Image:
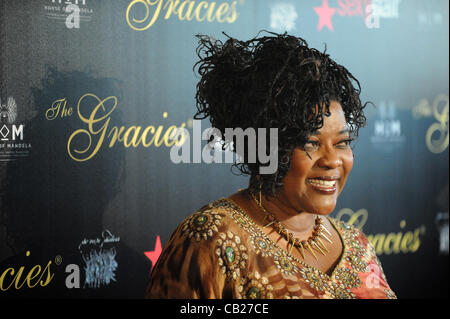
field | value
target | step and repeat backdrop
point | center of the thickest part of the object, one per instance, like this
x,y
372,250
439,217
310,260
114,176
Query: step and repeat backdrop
x,y
93,91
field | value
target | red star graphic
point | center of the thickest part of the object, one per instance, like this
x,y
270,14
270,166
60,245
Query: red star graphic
x,y
325,13
153,255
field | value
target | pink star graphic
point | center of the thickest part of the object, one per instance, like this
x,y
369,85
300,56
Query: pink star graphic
x,y
325,13
153,255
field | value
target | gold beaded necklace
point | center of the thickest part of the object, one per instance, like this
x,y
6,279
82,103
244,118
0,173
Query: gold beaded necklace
x,y
313,242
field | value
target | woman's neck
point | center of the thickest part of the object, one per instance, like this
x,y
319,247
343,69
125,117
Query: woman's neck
x,y
300,223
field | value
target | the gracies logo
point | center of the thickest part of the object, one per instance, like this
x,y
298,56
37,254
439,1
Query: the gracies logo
x,y
403,241
84,143
142,14
437,135
37,275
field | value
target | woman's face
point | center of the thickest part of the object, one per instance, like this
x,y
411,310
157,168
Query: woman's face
x,y
314,182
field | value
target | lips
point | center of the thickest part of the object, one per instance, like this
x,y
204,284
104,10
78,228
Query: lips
x,y
323,184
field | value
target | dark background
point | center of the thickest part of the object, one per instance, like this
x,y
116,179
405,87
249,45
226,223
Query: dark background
x,y
105,213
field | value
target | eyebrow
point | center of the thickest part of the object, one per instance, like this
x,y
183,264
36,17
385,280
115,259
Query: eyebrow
x,y
345,130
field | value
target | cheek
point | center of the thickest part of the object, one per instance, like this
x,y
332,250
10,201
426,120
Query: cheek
x,y
297,174
347,164
300,170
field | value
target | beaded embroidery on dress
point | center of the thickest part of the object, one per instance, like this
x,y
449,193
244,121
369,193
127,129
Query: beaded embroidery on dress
x,y
219,252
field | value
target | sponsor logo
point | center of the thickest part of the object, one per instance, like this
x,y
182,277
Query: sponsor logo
x,y
377,9
69,12
12,137
429,18
99,256
387,133
371,11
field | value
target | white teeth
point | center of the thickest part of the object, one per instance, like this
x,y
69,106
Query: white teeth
x,y
322,183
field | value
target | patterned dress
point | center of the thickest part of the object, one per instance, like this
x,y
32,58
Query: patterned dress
x,y
219,252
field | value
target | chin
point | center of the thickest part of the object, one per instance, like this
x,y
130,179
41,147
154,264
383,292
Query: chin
x,y
322,209
324,212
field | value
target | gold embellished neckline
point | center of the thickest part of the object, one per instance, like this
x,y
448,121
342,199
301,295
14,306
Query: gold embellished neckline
x,y
304,264
314,241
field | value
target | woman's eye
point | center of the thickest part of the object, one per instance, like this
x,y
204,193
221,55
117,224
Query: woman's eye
x,y
311,145
345,143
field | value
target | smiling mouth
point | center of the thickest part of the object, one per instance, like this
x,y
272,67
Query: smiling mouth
x,y
323,184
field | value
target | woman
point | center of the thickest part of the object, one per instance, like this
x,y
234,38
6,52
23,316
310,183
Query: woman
x,y
274,239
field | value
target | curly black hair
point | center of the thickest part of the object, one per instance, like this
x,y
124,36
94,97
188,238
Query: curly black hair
x,y
273,81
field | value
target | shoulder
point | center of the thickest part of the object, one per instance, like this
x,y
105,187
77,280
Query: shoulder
x,y
216,231
358,247
209,221
362,257
347,231
353,237
202,254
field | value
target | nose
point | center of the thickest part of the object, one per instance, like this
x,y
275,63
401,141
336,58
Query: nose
x,y
329,159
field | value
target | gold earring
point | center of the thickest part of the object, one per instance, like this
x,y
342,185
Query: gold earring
x,y
260,188
260,201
